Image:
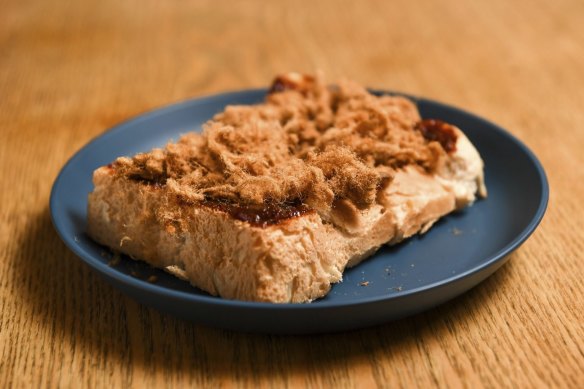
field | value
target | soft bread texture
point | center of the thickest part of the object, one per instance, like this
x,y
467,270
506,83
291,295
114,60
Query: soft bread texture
x,y
296,259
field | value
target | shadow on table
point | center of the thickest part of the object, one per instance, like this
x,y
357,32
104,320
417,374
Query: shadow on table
x,y
82,311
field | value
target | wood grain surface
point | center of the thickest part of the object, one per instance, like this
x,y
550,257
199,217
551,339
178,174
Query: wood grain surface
x,y
71,69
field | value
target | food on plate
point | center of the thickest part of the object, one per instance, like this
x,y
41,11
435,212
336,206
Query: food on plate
x,y
271,202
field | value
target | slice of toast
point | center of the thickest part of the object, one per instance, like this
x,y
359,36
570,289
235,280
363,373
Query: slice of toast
x,y
273,201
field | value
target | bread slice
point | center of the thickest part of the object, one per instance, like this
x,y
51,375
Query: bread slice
x,y
250,219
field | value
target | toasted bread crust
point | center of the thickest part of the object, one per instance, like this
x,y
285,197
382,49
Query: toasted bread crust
x,y
291,259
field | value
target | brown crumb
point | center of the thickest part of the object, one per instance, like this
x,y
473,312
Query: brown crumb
x,y
364,283
152,279
115,259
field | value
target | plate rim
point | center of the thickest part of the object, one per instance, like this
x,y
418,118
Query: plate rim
x,y
106,270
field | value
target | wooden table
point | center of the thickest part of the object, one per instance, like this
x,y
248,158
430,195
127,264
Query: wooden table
x,y
71,69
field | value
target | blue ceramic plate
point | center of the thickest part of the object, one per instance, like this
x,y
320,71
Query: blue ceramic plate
x,y
456,254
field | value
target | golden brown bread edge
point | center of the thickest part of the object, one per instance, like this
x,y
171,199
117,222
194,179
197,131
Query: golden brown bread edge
x,y
296,260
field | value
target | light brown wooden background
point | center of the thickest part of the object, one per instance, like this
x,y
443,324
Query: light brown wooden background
x,y
71,69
